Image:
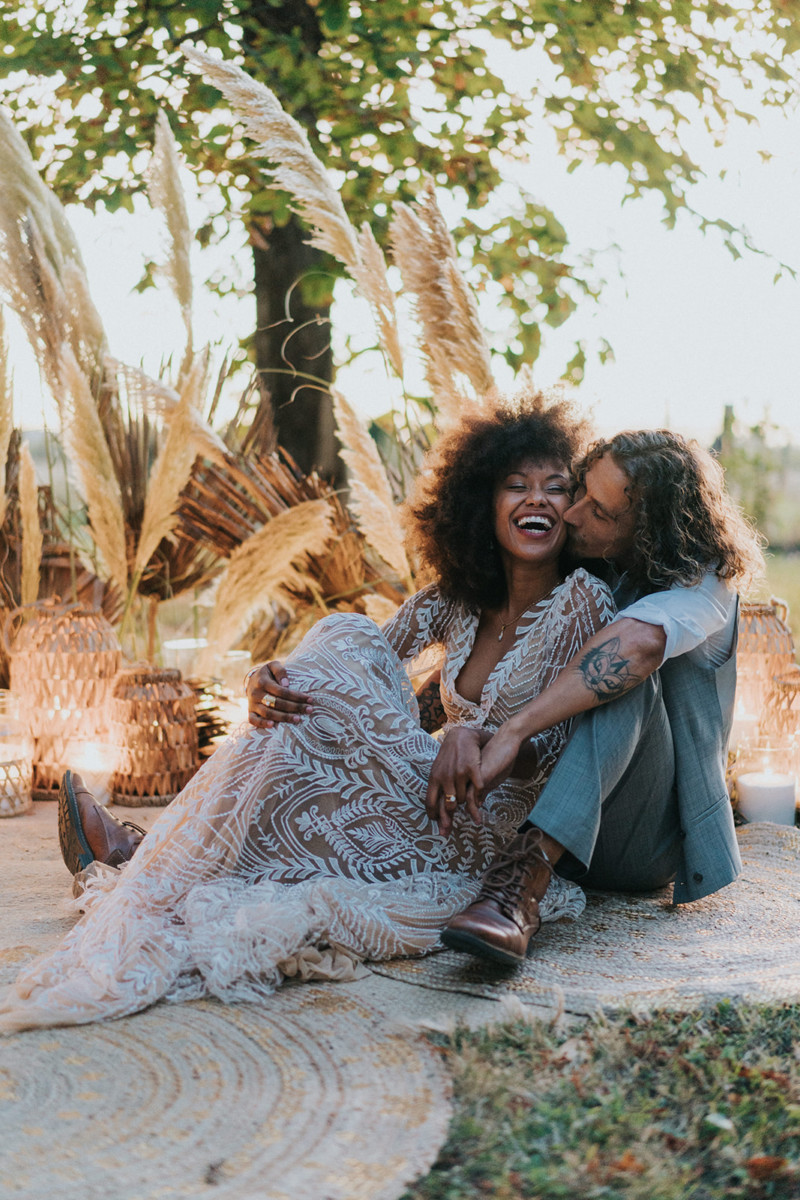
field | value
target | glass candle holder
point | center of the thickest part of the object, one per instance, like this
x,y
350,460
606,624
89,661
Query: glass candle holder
x,y
766,780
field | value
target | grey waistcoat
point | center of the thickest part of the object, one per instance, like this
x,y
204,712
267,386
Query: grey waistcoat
x,y
699,703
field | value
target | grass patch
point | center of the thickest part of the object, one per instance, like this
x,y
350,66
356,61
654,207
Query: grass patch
x,y
694,1107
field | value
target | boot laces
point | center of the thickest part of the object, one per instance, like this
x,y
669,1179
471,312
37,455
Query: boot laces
x,y
510,875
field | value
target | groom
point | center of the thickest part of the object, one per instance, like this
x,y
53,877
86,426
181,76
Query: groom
x,y
638,797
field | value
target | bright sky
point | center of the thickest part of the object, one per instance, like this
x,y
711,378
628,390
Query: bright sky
x,y
691,329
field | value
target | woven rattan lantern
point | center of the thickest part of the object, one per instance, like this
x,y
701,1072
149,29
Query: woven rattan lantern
x,y
15,761
154,726
766,650
782,713
63,659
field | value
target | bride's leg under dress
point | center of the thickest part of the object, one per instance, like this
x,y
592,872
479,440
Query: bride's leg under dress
x,y
299,850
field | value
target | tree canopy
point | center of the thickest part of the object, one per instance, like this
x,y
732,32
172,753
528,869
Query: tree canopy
x,y
389,90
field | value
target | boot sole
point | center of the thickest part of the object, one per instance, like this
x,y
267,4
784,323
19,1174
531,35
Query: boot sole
x,y
74,848
468,943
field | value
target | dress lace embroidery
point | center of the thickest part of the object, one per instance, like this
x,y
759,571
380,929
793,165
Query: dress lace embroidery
x,y
305,850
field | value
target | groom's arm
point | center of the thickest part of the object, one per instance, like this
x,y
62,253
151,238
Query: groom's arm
x,y
607,666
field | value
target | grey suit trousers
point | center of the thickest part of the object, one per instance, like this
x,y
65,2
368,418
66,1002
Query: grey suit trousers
x,y
611,799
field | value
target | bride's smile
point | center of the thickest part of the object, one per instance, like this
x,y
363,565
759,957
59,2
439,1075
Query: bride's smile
x,y
530,503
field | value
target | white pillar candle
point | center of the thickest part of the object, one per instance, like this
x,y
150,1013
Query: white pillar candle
x,y
767,796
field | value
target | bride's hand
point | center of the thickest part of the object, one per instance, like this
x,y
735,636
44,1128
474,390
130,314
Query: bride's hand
x,y
455,778
270,700
498,757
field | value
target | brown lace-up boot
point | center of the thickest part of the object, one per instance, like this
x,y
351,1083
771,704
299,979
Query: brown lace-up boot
x,y
505,916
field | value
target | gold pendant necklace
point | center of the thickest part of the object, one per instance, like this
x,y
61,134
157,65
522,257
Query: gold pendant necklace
x,y
511,620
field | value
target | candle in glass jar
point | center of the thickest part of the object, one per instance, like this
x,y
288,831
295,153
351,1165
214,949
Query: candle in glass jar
x,y
767,796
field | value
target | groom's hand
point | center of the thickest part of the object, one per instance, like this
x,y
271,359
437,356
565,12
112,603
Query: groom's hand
x,y
455,778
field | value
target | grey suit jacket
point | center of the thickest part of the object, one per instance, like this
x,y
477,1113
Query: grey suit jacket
x,y
699,702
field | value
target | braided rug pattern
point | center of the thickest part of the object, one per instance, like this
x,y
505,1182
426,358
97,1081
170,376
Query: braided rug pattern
x,y
308,1097
641,953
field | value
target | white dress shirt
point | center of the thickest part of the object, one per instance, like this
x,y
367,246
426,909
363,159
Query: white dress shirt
x,y
698,620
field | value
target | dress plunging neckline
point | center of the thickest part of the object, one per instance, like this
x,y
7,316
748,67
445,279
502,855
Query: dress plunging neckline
x,y
499,672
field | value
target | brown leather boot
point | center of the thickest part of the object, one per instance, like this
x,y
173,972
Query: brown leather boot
x,y
505,916
87,832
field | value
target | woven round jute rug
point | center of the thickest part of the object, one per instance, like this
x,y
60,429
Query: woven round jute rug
x,y
308,1097
641,953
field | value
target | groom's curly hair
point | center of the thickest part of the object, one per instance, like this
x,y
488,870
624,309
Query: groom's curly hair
x,y
686,522
450,514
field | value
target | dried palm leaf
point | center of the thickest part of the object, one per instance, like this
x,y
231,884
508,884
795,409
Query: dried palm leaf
x,y
263,569
370,493
166,196
31,530
299,172
138,389
454,341
90,455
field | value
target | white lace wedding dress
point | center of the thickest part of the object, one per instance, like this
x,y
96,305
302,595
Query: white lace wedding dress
x,y
304,850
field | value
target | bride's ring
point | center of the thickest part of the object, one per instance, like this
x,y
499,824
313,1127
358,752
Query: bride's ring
x,y
269,702
450,802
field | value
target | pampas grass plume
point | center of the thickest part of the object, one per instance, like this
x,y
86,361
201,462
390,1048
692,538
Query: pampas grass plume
x,y
31,529
297,169
265,568
166,196
299,172
370,495
380,608
454,341
6,414
89,452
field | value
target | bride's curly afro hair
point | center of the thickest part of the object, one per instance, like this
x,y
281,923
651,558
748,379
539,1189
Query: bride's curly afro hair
x,y
450,515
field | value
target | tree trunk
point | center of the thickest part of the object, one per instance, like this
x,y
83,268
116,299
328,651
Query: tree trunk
x,y
293,335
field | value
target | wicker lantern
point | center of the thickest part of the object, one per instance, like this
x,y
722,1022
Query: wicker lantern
x,y
766,650
15,761
154,726
782,714
63,659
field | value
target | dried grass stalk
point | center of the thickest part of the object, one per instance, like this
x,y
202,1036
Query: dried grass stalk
x,y
454,341
90,454
370,494
299,172
266,568
6,414
166,196
188,436
31,529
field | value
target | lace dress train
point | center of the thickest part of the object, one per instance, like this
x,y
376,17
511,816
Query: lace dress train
x,y
306,849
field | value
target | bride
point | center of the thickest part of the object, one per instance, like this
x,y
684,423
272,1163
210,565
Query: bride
x,y
304,846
